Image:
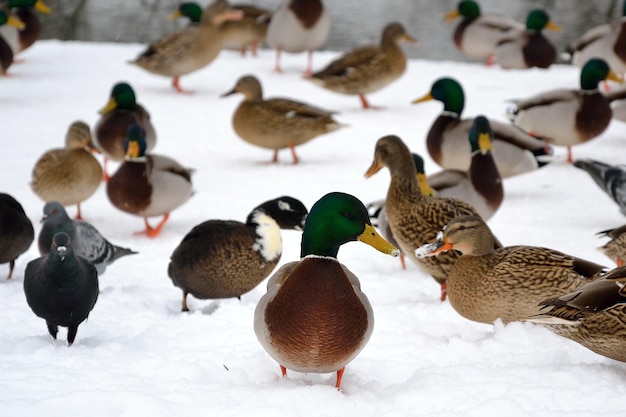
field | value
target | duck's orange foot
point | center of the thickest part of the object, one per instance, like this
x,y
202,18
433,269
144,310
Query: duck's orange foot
x,y
177,87
339,376
444,292
283,371
150,231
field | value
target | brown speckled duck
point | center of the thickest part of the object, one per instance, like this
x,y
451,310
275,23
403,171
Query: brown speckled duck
x,y
68,175
487,284
189,49
593,315
615,248
227,258
415,219
368,68
314,316
277,123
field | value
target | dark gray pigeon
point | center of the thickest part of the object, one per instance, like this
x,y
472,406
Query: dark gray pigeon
x,y
86,239
61,288
610,178
16,231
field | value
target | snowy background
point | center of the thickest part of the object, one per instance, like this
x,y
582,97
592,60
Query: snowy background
x,y
138,355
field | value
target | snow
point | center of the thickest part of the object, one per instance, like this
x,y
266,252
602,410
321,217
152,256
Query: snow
x,y
138,355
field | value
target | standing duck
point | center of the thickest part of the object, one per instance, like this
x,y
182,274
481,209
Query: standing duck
x,y
227,258
298,26
148,185
188,49
610,178
593,315
478,34
22,38
615,248
16,231
6,52
277,123
61,287
368,68
515,151
314,316
529,48
415,219
121,111
568,117
487,284
68,175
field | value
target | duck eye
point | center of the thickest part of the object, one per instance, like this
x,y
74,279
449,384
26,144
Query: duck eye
x,y
346,214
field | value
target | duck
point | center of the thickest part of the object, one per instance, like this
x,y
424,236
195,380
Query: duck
x,y
592,315
617,98
314,316
6,52
615,248
148,185
228,258
120,111
68,175
277,123
611,178
478,34
529,48
568,117
515,151
487,284
415,219
368,68
606,41
188,49
298,26
22,38
16,231
87,241
61,287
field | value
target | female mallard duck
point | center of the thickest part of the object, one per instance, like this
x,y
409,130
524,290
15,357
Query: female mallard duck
x,y
478,34
368,68
188,49
610,178
22,38
314,316
529,48
148,185
69,175
593,315
121,111
227,258
515,151
277,123
568,117
487,284
6,52
615,248
298,26
414,218
16,231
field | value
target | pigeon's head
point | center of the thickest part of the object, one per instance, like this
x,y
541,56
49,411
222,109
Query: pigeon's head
x,y
61,245
54,210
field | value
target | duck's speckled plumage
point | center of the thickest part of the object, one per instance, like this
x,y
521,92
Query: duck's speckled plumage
x,y
615,248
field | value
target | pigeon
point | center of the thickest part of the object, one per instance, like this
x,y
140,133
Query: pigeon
x,y
87,240
16,231
61,287
610,178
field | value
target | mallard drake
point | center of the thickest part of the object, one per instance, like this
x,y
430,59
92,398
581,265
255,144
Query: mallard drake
x,y
61,288
568,117
610,178
16,231
515,151
368,68
529,48
189,49
21,38
314,316
486,284
148,185
615,248
6,52
87,241
477,34
414,218
592,315
68,175
277,123
117,115
227,258
298,26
